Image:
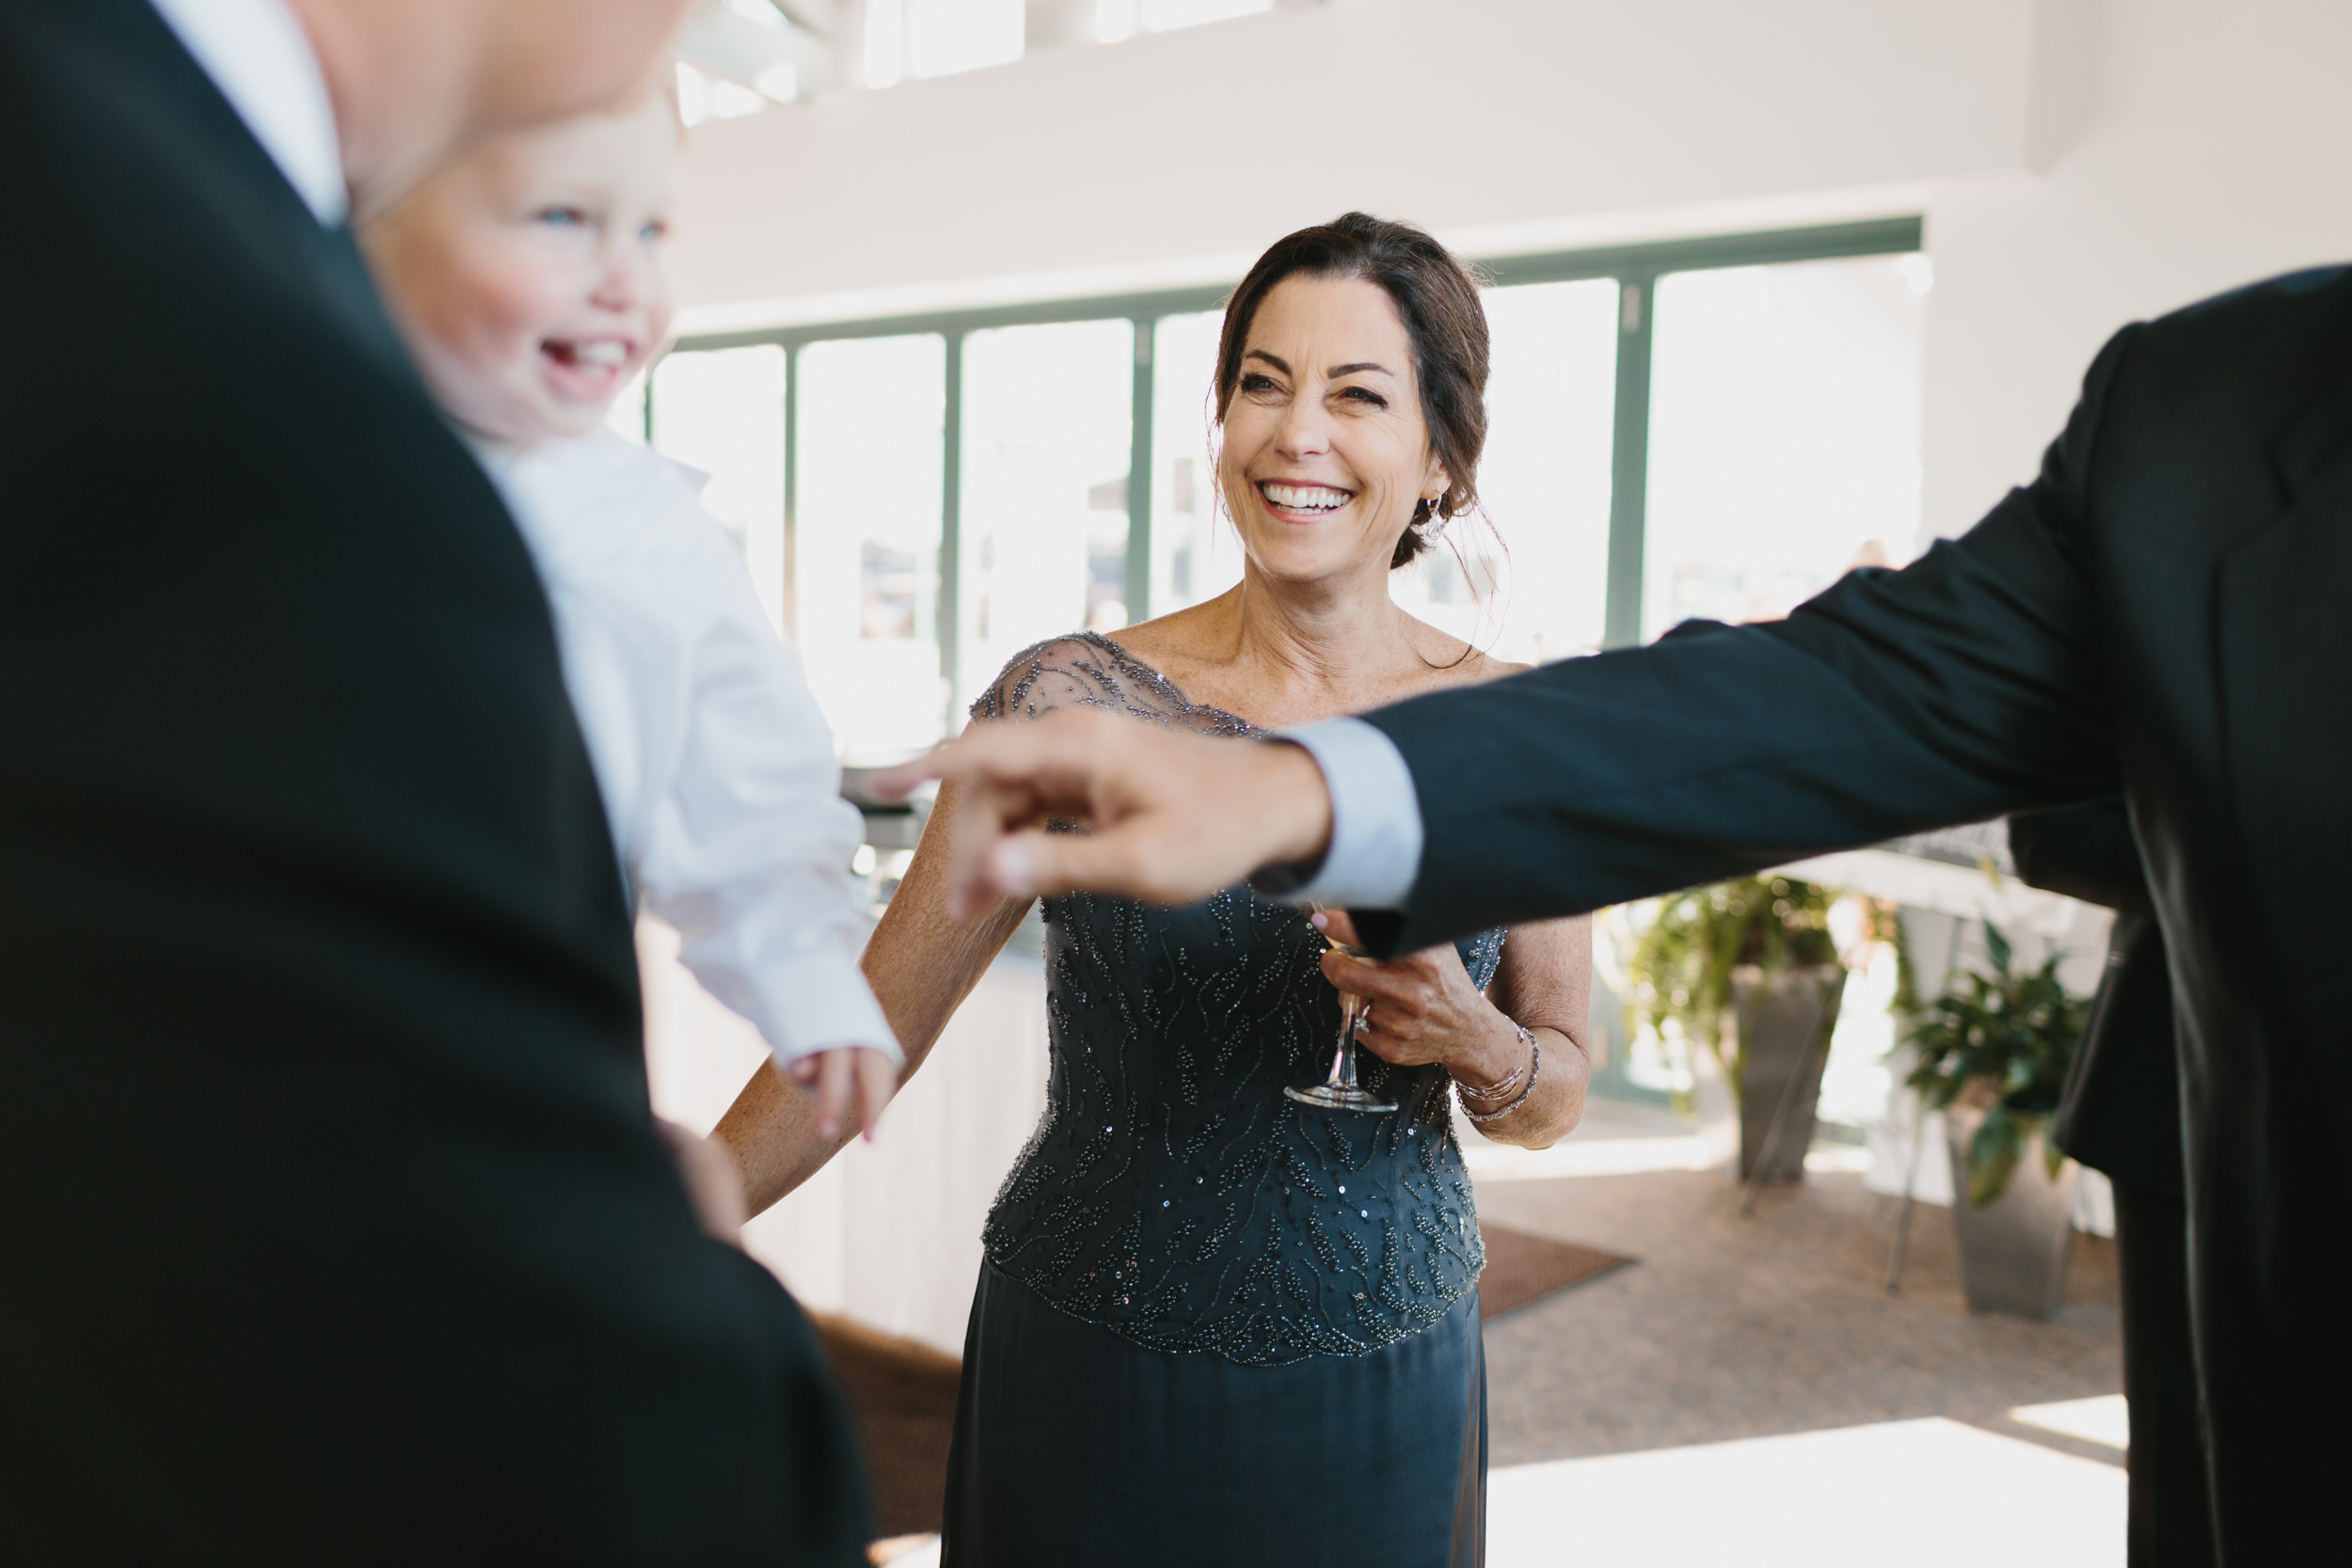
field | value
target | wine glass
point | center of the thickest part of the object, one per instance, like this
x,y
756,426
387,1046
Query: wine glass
x,y
1340,1091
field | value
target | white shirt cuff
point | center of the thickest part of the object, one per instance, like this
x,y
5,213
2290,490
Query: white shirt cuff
x,y
1375,817
820,1002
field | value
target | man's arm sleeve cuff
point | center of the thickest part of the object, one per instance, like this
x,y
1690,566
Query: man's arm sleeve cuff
x,y
1375,822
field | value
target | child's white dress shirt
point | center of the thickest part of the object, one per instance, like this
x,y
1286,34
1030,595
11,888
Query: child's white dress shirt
x,y
717,768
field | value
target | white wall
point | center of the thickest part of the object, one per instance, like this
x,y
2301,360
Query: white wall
x,y
2219,151
2080,162
1459,114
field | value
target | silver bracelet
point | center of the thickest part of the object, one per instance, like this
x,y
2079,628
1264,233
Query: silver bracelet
x,y
1509,1081
1534,1071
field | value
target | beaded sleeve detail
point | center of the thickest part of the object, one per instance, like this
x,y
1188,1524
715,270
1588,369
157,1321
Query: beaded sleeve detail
x,y
1171,1193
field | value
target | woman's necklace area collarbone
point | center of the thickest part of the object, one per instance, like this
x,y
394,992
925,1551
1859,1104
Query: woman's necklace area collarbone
x,y
1187,692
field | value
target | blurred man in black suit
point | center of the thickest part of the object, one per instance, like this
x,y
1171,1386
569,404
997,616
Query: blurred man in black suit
x,y
2122,1114
335,1221
2161,614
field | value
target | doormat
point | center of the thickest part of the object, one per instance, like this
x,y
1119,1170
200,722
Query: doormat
x,y
1523,1268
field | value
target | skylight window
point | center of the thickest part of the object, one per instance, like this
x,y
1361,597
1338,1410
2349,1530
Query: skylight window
x,y
907,38
1115,20
701,96
1165,16
940,37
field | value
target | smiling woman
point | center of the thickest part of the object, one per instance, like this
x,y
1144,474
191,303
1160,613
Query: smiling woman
x,y
1218,1324
1441,368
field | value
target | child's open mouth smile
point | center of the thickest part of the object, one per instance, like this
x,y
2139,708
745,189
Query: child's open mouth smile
x,y
587,368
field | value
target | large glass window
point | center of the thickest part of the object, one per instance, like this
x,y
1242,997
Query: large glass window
x,y
1195,556
1534,587
1047,439
722,412
1783,444
1668,434
866,527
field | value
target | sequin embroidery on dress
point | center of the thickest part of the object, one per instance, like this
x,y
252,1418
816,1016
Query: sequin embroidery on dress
x,y
1171,1193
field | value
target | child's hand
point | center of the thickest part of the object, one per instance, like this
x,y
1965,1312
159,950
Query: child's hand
x,y
830,1073
712,1184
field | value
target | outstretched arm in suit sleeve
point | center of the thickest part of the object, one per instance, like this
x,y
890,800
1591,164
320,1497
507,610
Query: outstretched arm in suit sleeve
x,y
1965,686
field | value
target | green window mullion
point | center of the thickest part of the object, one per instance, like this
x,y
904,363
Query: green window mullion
x,y
791,487
1628,483
1139,478
948,618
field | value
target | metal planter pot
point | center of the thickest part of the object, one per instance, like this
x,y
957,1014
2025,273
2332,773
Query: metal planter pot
x,y
1785,1021
2014,1250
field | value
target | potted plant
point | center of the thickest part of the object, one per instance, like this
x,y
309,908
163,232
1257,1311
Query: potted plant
x,y
1749,969
1991,1054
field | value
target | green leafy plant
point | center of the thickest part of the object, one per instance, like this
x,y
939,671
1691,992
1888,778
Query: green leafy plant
x,y
2004,1037
1681,967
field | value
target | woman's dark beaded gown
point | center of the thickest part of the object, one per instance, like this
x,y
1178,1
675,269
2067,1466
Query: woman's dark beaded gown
x,y
1215,1325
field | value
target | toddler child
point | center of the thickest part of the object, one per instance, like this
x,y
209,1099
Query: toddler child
x,y
526,279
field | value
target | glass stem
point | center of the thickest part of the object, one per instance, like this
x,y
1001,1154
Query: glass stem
x,y
1343,1065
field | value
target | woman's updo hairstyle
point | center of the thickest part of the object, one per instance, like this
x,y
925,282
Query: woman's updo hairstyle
x,y
1437,298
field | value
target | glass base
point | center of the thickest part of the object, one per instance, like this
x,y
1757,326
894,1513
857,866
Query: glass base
x,y
1335,1097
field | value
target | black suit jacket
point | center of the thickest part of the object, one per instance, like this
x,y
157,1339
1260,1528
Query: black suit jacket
x,y
2120,1112
2162,614
333,1221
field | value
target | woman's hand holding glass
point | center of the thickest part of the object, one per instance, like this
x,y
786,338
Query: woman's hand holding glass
x,y
1420,1008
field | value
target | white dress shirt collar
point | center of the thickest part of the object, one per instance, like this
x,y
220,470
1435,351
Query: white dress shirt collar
x,y
260,59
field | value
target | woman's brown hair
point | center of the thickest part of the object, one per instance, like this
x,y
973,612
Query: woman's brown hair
x,y
1438,299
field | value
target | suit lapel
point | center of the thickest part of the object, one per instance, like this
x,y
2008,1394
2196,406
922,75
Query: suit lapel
x,y
256,209
350,292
